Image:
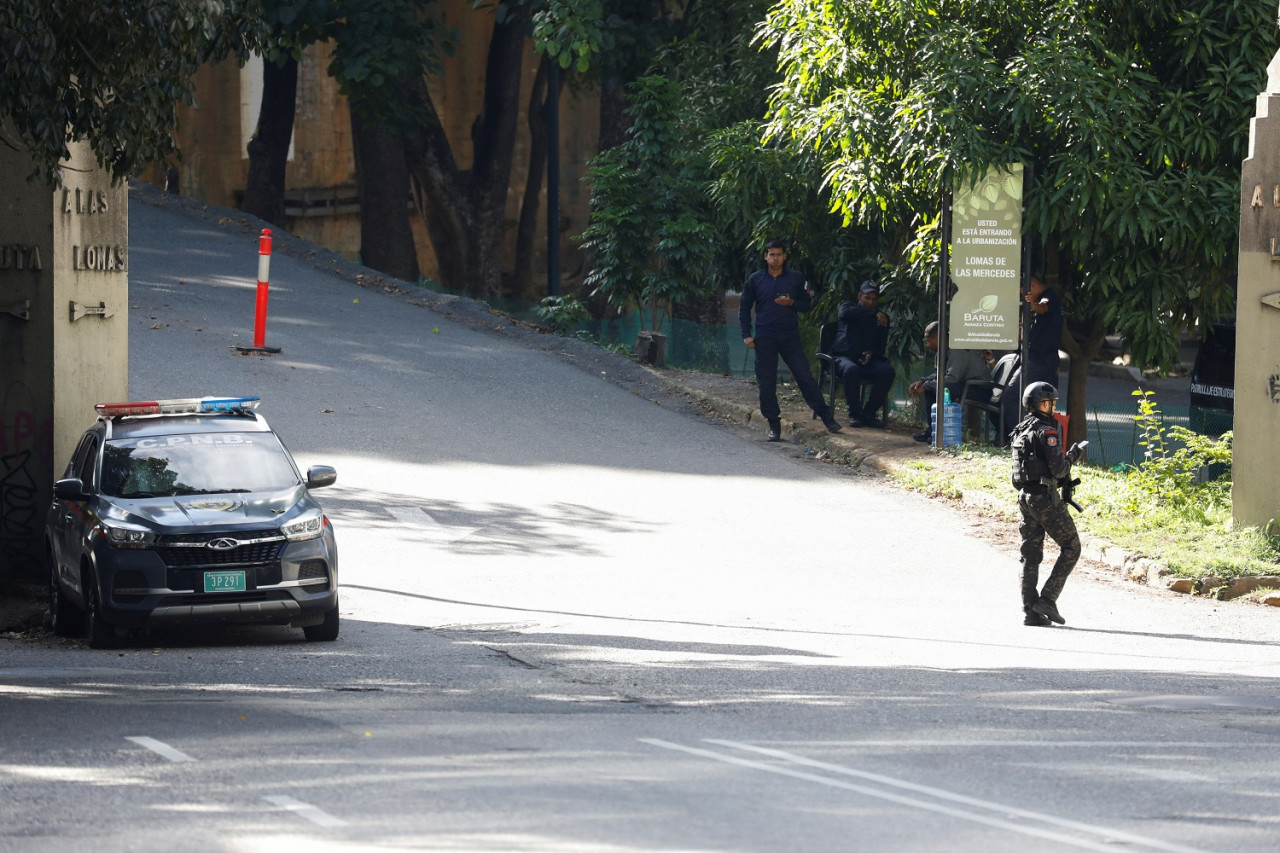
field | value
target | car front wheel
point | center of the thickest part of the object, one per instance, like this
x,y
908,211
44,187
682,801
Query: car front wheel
x,y
64,618
326,631
99,633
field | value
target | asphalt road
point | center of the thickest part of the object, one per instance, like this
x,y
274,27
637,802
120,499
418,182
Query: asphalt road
x,y
579,617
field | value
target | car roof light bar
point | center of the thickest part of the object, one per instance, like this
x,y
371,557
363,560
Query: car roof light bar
x,y
187,406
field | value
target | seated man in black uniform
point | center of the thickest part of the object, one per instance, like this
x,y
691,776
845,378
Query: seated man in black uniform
x,y
859,355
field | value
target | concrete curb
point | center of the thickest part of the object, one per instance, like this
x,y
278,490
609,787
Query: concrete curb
x,y
795,426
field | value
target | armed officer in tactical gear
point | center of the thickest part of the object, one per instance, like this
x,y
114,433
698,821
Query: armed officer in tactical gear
x,y
1039,467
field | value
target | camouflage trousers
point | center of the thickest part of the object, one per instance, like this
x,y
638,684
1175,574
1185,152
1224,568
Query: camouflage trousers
x,y
1045,513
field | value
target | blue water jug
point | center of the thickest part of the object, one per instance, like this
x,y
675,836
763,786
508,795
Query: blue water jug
x,y
951,429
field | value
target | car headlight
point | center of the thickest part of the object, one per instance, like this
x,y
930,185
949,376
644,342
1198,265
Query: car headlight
x,y
308,526
122,536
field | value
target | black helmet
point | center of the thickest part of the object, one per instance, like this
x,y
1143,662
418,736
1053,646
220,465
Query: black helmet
x,y
1037,393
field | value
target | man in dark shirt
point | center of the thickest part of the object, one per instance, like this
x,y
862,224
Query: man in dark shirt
x,y
859,355
778,295
1043,339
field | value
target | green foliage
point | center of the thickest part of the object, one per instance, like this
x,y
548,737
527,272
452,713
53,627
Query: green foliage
x,y
295,24
650,234
1134,114
110,72
1173,472
1119,507
378,44
686,204
572,32
562,313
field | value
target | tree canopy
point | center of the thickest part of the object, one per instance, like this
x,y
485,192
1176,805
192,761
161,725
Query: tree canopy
x,y
110,72
1133,113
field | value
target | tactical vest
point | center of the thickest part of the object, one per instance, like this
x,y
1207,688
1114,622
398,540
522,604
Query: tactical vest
x,y
1028,467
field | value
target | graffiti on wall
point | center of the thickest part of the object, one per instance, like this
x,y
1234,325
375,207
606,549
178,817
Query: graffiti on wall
x,y
26,451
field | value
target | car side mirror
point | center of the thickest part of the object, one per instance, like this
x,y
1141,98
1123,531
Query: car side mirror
x,y
70,489
321,475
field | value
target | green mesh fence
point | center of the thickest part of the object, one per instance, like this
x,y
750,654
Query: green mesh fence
x,y
1114,435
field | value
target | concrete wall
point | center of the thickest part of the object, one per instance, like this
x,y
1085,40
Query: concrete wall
x,y
64,310
1255,491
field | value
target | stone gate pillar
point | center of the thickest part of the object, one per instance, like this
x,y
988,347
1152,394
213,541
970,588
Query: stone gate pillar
x,y
64,344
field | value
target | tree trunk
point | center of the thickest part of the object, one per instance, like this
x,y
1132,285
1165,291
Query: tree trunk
x,y
269,148
1082,350
382,187
527,229
465,211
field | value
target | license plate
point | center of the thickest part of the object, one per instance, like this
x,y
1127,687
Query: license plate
x,y
224,581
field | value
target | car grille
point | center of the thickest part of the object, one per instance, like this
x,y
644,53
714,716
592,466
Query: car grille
x,y
187,557
187,552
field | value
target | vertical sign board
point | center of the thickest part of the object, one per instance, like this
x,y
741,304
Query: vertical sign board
x,y
986,260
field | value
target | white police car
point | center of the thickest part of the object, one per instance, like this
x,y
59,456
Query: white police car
x,y
188,511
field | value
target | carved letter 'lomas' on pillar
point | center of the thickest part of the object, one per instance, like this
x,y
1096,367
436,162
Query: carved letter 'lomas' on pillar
x,y
64,295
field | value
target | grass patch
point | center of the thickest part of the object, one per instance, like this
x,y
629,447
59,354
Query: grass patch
x,y
1187,527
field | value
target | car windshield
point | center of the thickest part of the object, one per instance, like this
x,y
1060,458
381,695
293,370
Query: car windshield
x,y
196,464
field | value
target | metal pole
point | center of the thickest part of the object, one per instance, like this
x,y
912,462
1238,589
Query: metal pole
x,y
1028,180
944,294
553,178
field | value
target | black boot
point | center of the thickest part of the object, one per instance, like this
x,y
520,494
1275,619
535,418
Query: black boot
x,y
1049,609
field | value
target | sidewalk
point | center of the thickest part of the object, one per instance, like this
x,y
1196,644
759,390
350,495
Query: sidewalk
x,y
737,399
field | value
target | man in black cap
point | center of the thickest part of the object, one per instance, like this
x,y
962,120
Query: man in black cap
x,y
778,295
859,352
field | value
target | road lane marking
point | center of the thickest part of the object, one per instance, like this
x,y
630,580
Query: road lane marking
x,y
942,794
305,810
1024,744
913,802
427,527
160,748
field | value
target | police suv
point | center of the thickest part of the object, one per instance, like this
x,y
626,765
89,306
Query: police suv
x,y
188,511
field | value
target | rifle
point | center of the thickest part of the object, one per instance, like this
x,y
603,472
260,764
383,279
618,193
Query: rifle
x,y
1068,492
1069,484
